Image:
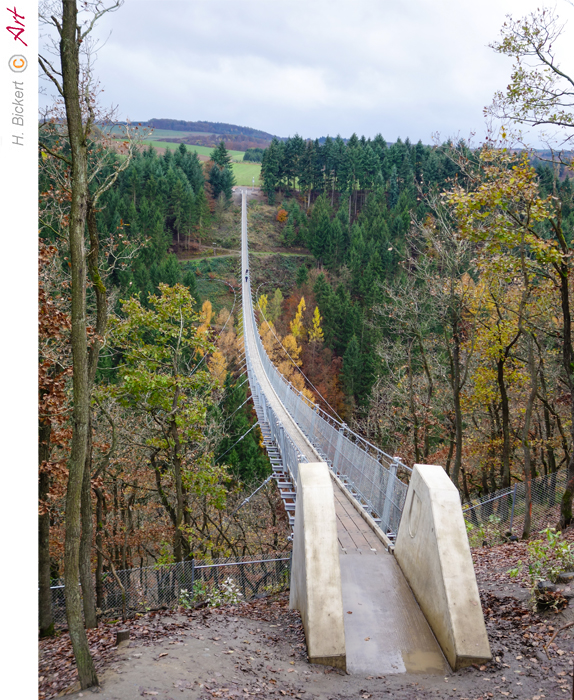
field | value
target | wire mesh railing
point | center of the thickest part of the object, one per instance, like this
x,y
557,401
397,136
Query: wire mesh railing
x,y
506,509
372,476
194,581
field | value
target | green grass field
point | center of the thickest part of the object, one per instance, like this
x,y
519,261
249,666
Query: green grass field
x,y
158,134
245,172
237,156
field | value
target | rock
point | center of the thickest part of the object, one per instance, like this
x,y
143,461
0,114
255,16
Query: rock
x,y
546,587
565,577
122,636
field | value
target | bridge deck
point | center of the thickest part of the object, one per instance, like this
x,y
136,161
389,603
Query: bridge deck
x,y
385,630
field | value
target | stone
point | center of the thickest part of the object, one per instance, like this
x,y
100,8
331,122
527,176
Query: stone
x,y
122,636
546,587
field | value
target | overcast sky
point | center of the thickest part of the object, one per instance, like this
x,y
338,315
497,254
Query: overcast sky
x,y
313,67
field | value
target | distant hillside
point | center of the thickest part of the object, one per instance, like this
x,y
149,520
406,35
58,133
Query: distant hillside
x,y
208,128
233,142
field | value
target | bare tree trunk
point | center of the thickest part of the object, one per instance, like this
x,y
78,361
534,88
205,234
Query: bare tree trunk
x,y
465,490
449,456
46,617
494,433
413,411
567,358
88,593
69,52
525,441
505,466
179,508
430,389
100,515
455,381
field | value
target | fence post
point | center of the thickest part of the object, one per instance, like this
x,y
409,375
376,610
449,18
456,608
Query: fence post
x,y
192,579
513,502
386,514
338,448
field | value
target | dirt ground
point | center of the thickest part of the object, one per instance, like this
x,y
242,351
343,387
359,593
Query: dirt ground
x,y
258,650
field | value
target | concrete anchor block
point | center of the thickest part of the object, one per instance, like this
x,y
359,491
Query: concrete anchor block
x,y
315,574
433,553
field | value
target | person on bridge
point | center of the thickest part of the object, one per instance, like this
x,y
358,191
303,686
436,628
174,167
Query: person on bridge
x,y
246,273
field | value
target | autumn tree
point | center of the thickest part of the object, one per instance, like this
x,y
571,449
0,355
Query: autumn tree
x,y
540,95
163,383
296,325
75,87
506,214
53,429
275,305
540,92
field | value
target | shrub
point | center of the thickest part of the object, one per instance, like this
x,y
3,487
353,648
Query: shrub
x,y
547,558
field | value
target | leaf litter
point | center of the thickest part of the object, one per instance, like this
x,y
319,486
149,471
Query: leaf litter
x,y
264,633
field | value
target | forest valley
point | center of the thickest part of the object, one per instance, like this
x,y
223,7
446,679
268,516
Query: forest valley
x,y
430,309
412,316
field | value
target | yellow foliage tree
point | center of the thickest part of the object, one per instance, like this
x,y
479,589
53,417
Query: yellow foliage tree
x,y
297,327
205,316
286,356
262,304
223,318
316,332
217,365
294,350
205,320
270,342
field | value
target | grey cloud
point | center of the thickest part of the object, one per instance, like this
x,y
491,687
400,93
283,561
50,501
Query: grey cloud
x,y
309,66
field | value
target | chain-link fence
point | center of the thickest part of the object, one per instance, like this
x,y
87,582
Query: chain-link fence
x,y
505,509
155,587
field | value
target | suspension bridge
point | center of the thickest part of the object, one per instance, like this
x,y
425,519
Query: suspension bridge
x,y
379,592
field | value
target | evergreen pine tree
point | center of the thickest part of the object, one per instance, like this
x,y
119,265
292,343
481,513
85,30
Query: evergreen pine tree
x,y
190,281
352,368
246,457
302,276
220,156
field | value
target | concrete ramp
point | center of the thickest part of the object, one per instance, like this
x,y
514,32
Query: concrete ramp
x,y
385,630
